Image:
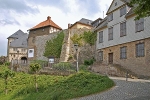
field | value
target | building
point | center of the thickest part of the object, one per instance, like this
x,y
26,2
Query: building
x,y
17,47
96,22
44,28
83,23
124,41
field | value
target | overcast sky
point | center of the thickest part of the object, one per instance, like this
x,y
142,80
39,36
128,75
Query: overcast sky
x,y
24,14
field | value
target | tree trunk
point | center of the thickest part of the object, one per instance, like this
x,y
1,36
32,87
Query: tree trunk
x,y
36,85
6,90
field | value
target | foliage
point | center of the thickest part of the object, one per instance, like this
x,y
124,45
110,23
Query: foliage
x,y
87,37
5,73
83,67
142,8
90,37
62,66
35,67
7,63
55,87
77,39
41,62
53,47
89,61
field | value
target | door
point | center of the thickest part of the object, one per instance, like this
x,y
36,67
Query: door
x,y
110,58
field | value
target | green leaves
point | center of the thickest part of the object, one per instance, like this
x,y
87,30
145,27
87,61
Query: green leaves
x,y
142,8
34,67
5,73
53,47
87,37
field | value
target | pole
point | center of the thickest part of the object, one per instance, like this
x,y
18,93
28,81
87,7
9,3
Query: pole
x,y
77,62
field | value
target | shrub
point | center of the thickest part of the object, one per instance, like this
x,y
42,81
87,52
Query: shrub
x,y
89,61
63,66
7,63
83,67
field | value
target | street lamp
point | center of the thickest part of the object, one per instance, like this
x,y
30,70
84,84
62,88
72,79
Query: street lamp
x,y
18,57
76,48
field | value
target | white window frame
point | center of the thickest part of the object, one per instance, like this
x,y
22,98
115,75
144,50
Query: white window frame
x,y
139,25
101,37
110,33
123,11
123,52
140,50
122,29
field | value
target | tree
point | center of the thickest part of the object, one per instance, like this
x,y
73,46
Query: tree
x,y
5,74
35,67
142,8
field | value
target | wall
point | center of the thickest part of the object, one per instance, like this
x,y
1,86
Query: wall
x,y
138,65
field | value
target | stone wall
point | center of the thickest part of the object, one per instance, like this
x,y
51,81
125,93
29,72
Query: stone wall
x,y
85,52
138,65
40,43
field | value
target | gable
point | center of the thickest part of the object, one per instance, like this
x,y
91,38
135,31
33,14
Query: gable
x,y
114,5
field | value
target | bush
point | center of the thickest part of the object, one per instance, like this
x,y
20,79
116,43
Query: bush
x,y
62,66
89,61
7,63
41,62
83,67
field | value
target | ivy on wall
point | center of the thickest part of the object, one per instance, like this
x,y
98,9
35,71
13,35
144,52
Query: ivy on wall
x,y
53,47
87,37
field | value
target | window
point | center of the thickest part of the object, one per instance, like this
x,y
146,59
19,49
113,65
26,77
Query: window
x,y
101,55
123,29
101,37
30,51
140,50
116,4
122,11
110,33
139,25
123,52
110,17
23,50
14,49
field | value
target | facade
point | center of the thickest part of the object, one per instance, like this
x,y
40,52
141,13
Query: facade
x,y
96,22
44,28
83,23
123,40
17,47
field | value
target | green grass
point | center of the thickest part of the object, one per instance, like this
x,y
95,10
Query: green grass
x,y
21,87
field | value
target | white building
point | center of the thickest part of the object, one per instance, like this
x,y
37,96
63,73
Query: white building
x,y
123,40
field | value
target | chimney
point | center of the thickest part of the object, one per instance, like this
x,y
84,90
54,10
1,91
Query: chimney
x,y
48,18
69,25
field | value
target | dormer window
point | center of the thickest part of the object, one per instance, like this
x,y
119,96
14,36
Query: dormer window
x,y
123,11
110,17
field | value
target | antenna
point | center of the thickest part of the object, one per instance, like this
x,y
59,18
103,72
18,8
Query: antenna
x,y
103,14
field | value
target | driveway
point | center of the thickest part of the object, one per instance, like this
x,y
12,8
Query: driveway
x,y
133,89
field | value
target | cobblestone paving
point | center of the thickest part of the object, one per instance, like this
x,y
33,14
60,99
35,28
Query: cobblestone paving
x,y
124,90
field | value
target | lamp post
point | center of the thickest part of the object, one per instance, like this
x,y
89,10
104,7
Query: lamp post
x,y
18,57
76,48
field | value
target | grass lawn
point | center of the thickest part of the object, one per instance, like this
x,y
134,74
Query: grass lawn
x,y
21,87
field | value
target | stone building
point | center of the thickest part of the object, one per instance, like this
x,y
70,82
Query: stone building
x,y
17,47
44,28
83,23
124,41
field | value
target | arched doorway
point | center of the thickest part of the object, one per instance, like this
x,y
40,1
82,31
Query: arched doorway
x,y
23,60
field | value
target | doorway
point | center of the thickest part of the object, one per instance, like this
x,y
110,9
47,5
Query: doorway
x,y
110,58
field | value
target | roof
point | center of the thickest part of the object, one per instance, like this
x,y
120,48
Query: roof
x,y
17,34
131,12
20,42
45,23
97,20
83,21
102,24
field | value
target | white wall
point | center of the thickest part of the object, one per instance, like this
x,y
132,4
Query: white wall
x,y
131,35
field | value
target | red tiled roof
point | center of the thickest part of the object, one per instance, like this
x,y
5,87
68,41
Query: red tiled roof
x,y
47,22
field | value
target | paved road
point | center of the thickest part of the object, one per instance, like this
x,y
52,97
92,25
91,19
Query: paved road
x,y
124,90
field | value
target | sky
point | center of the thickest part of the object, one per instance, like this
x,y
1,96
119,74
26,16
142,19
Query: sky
x,y
24,14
